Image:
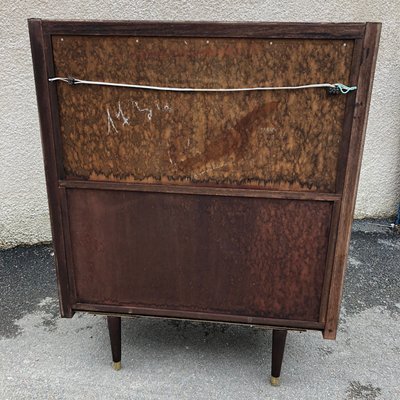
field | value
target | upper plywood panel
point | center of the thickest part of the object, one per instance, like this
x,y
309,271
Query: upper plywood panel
x,y
276,140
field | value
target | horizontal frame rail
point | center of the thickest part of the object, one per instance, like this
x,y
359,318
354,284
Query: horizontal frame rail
x,y
199,190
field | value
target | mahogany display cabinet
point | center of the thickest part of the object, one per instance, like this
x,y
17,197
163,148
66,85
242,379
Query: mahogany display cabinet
x,y
218,205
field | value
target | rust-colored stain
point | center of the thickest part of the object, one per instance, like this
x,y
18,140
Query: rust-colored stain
x,y
243,256
278,140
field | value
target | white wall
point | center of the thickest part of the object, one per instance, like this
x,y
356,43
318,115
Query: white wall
x,y
23,203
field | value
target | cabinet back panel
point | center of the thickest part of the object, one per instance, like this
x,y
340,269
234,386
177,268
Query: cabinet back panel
x,y
278,140
212,254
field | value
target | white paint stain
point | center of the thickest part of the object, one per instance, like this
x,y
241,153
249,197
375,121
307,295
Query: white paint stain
x,y
120,114
110,123
124,117
149,111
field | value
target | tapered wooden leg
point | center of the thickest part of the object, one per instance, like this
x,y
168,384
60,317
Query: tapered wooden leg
x,y
114,329
278,348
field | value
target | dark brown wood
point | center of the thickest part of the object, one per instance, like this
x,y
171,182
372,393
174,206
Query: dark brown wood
x,y
348,116
262,30
54,104
278,349
114,330
67,241
239,226
200,190
359,125
341,170
50,162
280,140
192,315
200,253
136,315
329,260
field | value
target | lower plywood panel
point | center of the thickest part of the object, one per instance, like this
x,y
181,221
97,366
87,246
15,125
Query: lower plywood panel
x,y
244,256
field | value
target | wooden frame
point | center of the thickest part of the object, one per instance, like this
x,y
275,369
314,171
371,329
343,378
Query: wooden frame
x,y
365,37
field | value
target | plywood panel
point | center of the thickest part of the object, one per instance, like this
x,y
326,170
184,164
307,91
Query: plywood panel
x,y
279,140
237,256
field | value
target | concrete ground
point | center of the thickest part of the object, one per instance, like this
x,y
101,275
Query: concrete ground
x,y
45,357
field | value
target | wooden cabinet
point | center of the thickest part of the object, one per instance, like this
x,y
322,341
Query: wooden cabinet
x,y
231,206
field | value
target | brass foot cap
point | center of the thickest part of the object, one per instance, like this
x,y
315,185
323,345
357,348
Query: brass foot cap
x,y
116,365
275,381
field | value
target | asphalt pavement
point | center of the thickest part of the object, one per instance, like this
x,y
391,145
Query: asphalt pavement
x,y
45,357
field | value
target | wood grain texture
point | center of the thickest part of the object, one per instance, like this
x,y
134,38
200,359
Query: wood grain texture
x,y
200,190
268,30
352,173
297,145
278,349
133,311
275,140
200,253
51,162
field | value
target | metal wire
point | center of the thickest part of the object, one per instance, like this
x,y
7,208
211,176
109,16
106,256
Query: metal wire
x,y
335,86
